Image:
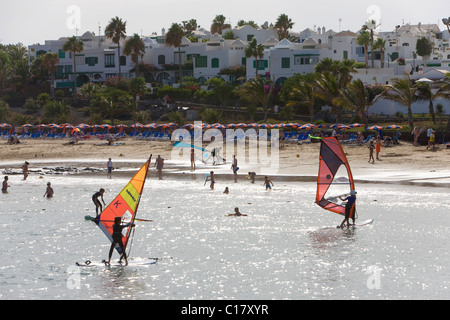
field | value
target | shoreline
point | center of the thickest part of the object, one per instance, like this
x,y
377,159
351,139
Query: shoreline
x,y
402,164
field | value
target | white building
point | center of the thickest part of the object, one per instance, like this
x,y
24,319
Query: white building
x,y
282,59
98,62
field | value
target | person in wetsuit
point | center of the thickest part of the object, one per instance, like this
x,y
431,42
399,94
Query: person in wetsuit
x,y
97,202
117,239
349,208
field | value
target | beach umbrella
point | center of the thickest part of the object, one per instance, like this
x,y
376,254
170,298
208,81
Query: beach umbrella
x,y
393,127
319,126
291,125
4,125
306,126
242,125
231,126
375,128
27,125
188,126
265,126
219,126
344,127
277,126
356,125
253,125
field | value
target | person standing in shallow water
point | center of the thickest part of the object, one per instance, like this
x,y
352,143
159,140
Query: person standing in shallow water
x,y
5,185
25,170
49,192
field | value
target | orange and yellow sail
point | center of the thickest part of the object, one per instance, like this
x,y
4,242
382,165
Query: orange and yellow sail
x,y
125,205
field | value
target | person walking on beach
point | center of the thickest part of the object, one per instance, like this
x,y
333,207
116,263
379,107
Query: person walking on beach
x,y
378,147
49,192
371,147
25,170
97,202
235,168
349,208
159,164
211,178
267,183
432,140
117,239
5,185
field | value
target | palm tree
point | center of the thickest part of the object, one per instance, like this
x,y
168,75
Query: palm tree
x,y
173,38
219,24
50,60
136,48
404,93
304,92
328,89
380,44
371,25
425,92
258,90
256,51
357,95
116,30
74,45
283,25
364,40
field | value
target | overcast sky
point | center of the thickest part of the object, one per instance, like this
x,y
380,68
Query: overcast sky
x,y
31,22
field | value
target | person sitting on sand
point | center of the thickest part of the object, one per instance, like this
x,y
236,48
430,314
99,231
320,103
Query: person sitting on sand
x,y
117,239
49,192
349,208
97,202
5,185
226,191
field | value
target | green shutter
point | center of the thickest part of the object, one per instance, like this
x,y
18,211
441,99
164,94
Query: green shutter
x,y
285,63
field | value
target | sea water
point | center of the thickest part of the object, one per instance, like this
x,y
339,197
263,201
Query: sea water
x,y
286,248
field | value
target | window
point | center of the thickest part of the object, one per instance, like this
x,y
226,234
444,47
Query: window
x,y
214,63
285,63
79,59
201,62
91,61
345,55
61,54
161,59
306,59
262,64
123,60
109,61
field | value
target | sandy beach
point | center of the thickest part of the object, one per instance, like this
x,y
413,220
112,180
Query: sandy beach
x,y
402,163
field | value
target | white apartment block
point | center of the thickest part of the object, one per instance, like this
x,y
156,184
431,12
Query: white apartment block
x,y
282,59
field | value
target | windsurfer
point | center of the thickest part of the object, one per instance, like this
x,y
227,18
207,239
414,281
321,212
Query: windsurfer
x,y
349,208
97,202
117,239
